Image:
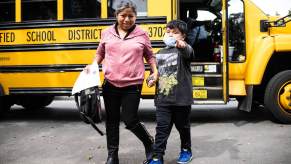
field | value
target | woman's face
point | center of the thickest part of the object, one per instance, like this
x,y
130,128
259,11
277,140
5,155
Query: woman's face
x,y
126,19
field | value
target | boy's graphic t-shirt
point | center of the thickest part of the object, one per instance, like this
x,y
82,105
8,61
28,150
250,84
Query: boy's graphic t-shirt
x,y
175,80
168,70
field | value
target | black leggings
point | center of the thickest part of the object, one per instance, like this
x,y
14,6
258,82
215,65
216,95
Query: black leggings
x,y
126,98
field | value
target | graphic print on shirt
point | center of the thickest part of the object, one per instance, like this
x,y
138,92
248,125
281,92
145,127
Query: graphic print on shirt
x,y
168,70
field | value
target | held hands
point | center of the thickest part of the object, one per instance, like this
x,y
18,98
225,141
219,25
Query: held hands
x,y
181,44
152,79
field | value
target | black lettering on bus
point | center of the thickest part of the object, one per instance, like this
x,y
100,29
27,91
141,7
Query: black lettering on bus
x,y
37,36
164,31
88,34
81,34
84,34
150,31
7,37
28,34
160,31
43,36
156,31
95,34
100,31
52,35
75,35
70,34
34,36
78,37
12,36
1,36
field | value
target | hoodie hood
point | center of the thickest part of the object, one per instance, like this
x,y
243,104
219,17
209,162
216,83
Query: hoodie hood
x,y
137,31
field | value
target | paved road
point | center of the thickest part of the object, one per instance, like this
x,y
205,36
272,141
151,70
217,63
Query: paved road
x,y
220,134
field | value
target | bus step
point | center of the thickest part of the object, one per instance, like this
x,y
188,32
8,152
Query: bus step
x,y
208,93
207,102
206,68
207,80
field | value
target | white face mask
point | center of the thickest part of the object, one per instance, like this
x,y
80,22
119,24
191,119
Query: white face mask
x,y
169,41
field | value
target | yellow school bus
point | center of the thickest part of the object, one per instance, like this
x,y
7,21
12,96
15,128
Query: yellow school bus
x,y
245,54
44,44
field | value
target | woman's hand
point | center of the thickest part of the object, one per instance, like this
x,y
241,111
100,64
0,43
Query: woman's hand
x,y
87,68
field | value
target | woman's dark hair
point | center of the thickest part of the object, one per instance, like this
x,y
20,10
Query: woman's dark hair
x,y
179,24
124,4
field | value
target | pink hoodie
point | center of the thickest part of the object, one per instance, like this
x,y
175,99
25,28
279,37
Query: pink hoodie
x,y
123,63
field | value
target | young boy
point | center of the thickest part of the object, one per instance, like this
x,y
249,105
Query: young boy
x,y
173,92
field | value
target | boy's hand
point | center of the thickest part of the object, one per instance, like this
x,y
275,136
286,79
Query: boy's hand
x,y
181,44
152,79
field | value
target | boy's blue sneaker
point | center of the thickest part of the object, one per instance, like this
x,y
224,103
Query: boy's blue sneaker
x,y
185,156
156,161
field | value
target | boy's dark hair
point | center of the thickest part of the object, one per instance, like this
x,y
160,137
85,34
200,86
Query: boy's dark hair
x,y
179,24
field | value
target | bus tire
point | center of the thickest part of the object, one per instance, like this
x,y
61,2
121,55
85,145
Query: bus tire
x,y
36,102
277,97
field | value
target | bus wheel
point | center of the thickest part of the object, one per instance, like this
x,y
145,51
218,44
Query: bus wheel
x,y
36,102
278,96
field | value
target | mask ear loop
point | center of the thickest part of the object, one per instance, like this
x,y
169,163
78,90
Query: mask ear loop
x,y
184,37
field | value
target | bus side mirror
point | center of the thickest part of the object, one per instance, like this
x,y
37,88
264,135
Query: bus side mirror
x,y
264,25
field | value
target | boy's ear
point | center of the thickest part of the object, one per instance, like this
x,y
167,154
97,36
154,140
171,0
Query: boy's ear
x,y
184,36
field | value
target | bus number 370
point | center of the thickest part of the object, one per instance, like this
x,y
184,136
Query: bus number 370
x,y
157,31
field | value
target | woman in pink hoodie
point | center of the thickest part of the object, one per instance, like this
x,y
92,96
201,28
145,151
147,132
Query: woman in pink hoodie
x,y
122,49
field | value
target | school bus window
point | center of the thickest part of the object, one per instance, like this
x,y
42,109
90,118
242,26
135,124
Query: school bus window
x,y
82,9
7,10
39,10
237,42
141,7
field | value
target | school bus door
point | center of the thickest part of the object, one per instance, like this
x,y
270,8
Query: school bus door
x,y
209,77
